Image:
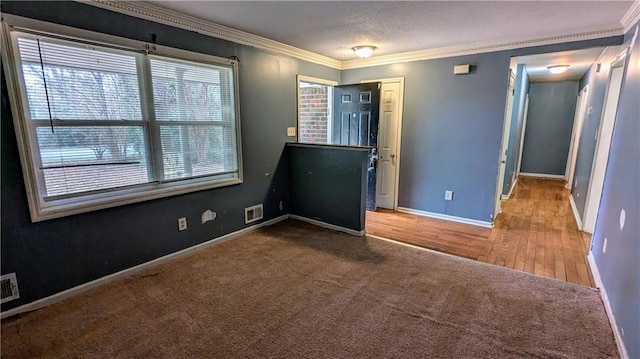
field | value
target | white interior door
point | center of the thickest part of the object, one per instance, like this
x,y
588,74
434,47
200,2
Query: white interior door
x,y
575,137
603,144
388,144
505,144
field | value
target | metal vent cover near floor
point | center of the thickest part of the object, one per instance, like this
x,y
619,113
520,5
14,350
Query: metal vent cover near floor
x,y
253,213
9,287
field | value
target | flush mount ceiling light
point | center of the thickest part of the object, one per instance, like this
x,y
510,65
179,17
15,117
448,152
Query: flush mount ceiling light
x,y
557,69
364,51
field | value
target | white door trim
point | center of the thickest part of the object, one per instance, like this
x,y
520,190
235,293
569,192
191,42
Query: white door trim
x,y
603,143
575,136
524,128
576,116
504,143
399,131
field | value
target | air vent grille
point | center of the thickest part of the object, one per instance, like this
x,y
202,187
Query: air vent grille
x,y
253,213
9,287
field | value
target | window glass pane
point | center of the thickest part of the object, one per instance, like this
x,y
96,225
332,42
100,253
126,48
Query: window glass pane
x,y
189,151
184,91
83,82
89,158
192,92
315,109
96,139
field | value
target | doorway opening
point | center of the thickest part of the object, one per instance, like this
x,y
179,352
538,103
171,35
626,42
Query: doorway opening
x,y
389,141
345,115
603,144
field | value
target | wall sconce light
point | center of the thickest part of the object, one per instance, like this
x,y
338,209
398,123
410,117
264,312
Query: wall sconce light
x,y
364,51
557,69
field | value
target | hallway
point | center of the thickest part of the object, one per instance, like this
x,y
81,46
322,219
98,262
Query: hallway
x,y
536,233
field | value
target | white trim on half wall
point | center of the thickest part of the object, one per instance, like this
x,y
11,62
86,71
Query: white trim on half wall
x,y
318,223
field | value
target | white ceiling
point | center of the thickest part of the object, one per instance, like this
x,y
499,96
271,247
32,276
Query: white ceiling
x,y
331,28
579,62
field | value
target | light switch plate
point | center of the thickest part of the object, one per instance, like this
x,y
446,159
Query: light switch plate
x,y
291,131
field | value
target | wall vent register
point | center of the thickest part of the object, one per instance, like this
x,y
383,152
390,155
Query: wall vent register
x,y
9,287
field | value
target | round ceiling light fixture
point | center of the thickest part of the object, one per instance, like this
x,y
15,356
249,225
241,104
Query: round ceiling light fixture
x,y
364,51
557,69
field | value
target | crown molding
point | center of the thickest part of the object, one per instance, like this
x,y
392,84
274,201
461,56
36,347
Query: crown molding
x,y
631,17
472,49
161,15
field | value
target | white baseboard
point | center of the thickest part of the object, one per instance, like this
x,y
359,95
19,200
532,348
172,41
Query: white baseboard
x,y
576,214
622,349
506,196
318,223
541,175
58,297
446,217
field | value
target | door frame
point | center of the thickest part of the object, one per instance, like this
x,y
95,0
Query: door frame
x,y
522,133
318,81
603,146
576,133
398,130
504,143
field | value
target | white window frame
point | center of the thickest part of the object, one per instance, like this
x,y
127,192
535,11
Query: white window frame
x,y
40,209
314,80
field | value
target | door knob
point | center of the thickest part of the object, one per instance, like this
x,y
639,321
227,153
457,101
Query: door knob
x,y
392,155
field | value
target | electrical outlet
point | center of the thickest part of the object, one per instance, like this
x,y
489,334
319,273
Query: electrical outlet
x,y
604,246
448,195
182,224
291,131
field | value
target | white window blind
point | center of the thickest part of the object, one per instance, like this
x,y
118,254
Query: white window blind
x,y
103,121
84,104
194,110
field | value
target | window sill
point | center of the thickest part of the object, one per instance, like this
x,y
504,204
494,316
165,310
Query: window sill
x,y
62,208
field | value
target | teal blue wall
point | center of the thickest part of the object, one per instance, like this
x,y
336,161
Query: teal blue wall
x,y
597,82
329,184
619,267
547,135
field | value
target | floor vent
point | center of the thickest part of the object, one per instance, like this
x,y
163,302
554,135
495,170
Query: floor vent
x,y
253,213
9,287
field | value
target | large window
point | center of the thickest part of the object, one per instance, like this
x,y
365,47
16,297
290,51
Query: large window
x,y
104,124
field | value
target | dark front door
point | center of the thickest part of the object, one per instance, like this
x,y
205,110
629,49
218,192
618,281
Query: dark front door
x,y
355,123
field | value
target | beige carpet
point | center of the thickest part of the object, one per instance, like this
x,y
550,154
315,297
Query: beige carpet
x,y
297,291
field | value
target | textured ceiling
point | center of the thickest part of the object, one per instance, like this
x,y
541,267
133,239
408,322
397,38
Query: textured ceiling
x,y
578,61
331,28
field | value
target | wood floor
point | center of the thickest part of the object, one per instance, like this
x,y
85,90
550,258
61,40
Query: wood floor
x,y
536,233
